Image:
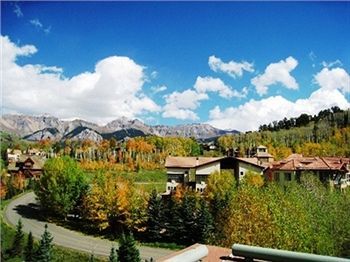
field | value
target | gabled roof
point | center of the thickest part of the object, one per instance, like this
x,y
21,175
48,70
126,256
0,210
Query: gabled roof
x,y
189,162
253,161
298,162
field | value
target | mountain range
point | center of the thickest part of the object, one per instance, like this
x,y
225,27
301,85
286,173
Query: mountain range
x,y
35,128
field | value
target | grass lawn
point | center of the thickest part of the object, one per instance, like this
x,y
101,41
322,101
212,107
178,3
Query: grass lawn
x,y
147,179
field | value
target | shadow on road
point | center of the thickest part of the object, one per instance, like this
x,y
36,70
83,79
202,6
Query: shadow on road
x,y
31,211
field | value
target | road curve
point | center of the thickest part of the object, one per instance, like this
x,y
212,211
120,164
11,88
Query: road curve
x,y
24,207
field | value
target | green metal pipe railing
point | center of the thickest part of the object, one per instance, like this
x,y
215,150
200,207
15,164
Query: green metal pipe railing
x,y
276,255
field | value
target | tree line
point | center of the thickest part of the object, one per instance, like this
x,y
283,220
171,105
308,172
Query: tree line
x,y
334,116
306,217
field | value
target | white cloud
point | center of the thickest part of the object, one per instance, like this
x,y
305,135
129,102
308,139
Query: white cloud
x,y
312,57
158,89
231,68
17,10
276,73
252,114
331,79
36,23
332,63
112,90
180,105
210,84
154,74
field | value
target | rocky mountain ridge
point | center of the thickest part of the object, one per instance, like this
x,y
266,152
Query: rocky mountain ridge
x,y
39,127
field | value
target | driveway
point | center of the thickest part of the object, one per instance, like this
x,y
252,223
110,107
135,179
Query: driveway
x,y
26,208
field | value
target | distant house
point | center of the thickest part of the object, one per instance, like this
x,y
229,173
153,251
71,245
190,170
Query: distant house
x,y
13,155
262,155
29,166
334,170
179,170
194,171
248,164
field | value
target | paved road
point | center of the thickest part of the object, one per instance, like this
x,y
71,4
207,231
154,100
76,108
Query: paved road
x,y
25,207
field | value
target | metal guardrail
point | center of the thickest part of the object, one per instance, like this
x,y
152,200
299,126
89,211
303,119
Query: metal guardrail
x,y
276,255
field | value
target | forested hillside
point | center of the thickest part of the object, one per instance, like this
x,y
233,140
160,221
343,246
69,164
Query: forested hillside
x,y
325,134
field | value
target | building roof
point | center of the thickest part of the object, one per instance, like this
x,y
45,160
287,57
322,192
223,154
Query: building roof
x,y
189,162
253,161
298,162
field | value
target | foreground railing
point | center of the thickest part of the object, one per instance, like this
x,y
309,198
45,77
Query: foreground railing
x,y
276,255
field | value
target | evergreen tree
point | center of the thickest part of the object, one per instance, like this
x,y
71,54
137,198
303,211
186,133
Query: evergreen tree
x,y
155,219
127,251
29,253
187,233
205,223
17,245
43,253
113,255
173,221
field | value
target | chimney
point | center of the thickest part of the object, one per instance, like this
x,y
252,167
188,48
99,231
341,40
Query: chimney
x,y
197,161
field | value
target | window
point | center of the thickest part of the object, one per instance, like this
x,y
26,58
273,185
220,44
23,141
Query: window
x,y
242,173
287,176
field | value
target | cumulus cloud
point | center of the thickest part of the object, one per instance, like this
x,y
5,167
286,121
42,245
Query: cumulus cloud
x,y
112,90
331,79
249,116
231,68
210,84
276,73
180,105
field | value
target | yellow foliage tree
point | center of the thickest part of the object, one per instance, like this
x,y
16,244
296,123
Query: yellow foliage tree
x,y
247,220
253,179
114,202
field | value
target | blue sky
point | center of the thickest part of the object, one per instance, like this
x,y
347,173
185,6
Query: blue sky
x,y
234,65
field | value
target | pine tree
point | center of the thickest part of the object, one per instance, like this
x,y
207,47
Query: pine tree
x,y
29,253
188,233
43,253
174,224
113,255
154,222
205,223
17,245
127,251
